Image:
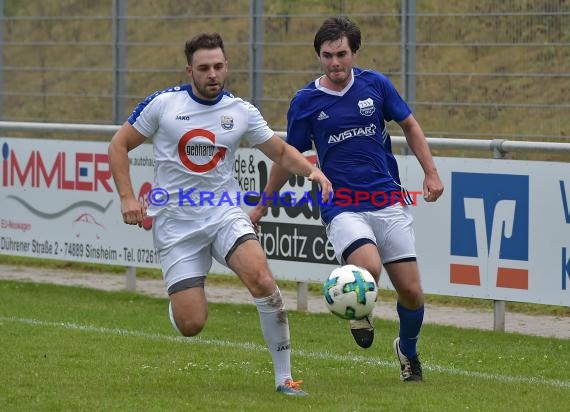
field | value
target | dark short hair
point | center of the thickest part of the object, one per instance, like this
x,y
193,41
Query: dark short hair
x,y
335,28
203,41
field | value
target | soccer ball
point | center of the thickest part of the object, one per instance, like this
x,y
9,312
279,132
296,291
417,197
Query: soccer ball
x,y
350,292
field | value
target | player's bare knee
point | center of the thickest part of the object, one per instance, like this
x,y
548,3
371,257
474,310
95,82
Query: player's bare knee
x,y
189,328
412,297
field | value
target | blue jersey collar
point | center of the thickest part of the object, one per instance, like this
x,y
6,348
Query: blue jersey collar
x,y
206,102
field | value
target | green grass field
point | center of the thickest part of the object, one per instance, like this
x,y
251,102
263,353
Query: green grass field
x,y
314,288
67,348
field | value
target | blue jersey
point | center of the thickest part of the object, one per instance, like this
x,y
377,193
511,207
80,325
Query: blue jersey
x,y
353,146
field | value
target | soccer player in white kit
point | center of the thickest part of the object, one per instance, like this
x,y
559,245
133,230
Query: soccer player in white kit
x,y
195,130
343,114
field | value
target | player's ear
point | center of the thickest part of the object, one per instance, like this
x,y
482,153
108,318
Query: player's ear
x,y
189,70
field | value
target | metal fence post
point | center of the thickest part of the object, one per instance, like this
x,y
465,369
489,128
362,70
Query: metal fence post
x,y
408,55
499,306
256,52
408,51
302,296
119,60
131,279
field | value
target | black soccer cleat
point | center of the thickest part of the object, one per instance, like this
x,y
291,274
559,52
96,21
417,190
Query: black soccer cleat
x,y
410,368
362,331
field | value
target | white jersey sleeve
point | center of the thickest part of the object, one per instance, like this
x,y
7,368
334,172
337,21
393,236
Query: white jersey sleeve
x,y
258,131
145,117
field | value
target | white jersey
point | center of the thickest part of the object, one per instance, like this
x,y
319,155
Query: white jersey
x,y
194,144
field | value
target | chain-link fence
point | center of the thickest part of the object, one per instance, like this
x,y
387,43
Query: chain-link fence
x,y
481,69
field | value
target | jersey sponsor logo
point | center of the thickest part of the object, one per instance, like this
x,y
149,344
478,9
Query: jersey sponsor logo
x,y
185,150
357,131
322,116
227,122
366,107
200,150
489,229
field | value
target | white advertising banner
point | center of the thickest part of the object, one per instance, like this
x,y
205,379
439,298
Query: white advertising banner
x,y
58,201
500,231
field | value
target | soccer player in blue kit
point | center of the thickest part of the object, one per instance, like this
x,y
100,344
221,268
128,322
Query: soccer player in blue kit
x,y
195,130
343,114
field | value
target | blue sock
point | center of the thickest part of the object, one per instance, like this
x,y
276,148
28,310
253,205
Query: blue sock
x,y
410,325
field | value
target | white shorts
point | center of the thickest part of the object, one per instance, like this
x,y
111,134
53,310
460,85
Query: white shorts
x,y
186,247
391,229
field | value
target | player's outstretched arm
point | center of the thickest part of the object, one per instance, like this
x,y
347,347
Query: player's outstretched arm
x,y
278,176
124,140
432,185
287,160
293,161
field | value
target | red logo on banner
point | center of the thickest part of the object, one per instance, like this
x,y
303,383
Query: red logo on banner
x,y
143,193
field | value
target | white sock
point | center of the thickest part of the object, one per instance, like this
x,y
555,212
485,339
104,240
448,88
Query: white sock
x,y
171,315
275,328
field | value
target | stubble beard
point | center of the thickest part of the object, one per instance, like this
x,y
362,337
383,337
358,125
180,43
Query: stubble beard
x,y
205,92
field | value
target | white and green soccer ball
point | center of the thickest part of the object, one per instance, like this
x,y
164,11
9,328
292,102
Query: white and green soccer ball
x,y
350,292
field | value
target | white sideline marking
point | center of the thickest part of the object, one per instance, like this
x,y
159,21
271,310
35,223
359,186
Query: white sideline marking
x,y
533,380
